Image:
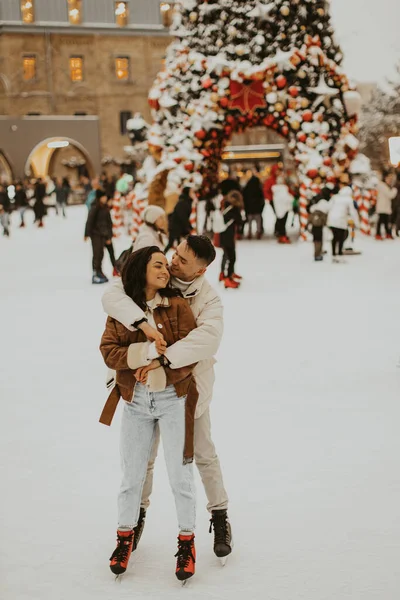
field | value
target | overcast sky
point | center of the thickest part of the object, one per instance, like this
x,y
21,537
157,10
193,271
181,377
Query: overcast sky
x,y
369,33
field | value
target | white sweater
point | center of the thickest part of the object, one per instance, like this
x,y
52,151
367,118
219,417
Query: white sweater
x,y
342,209
283,200
384,199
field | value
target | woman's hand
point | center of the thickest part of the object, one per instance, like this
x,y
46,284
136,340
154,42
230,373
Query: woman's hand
x,y
154,336
142,372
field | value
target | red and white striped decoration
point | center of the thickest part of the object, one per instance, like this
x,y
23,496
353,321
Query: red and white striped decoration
x,y
116,215
364,199
193,216
303,203
138,206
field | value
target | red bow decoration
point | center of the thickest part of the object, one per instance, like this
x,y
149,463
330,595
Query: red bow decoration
x,y
247,96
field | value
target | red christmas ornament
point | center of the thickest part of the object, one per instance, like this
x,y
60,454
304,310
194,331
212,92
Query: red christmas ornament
x,y
228,129
281,81
214,134
307,115
312,173
230,119
153,103
201,134
178,160
268,120
302,137
224,102
327,161
293,91
285,130
189,166
207,83
247,96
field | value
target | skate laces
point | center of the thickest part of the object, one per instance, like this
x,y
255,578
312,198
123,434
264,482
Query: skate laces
x,y
184,553
220,524
121,552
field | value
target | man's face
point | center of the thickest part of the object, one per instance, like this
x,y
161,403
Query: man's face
x,y
184,264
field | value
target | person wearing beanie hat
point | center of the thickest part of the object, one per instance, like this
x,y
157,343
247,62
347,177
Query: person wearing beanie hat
x,y
153,230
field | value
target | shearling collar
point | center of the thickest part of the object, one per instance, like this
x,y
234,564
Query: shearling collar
x,y
158,301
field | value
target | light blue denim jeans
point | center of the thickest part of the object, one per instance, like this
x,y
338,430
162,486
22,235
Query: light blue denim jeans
x,y
139,421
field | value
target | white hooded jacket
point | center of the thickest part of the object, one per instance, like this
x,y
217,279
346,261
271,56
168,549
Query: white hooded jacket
x,y
199,346
342,209
148,236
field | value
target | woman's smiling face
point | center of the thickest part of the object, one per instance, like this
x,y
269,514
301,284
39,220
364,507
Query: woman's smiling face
x,y
157,274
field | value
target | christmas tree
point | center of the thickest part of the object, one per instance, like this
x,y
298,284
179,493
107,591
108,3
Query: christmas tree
x,y
237,64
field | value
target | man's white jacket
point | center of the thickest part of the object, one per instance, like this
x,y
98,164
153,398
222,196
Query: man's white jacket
x,y
199,346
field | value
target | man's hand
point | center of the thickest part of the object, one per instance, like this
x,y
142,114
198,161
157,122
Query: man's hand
x,y
141,374
154,336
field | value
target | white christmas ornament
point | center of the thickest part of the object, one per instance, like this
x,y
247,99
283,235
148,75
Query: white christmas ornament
x,y
261,10
323,91
282,60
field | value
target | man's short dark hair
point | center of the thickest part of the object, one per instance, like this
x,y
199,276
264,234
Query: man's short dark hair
x,y
202,248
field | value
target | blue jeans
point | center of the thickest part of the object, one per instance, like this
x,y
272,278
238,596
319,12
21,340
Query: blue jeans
x,y
138,431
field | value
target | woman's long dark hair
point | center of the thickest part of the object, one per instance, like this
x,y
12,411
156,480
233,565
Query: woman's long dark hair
x,y
134,276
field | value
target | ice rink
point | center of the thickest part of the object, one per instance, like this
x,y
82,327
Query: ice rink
x,y
306,417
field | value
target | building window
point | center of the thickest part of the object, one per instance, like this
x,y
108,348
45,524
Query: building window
x,y
166,10
75,12
76,68
122,68
121,14
80,113
27,11
29,66
124,117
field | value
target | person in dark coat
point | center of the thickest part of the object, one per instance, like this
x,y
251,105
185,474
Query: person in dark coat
x,y
21,201
39,207
99,230
253,197
179,220
232,205
62,191
5,209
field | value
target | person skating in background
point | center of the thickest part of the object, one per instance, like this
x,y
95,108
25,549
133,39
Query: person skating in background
x,y
39,207
153,230
386,193
157,399
231,208
318,216
253,198
283,203
21,202
62,191
341,209
179,220
99,230
188,268
5,209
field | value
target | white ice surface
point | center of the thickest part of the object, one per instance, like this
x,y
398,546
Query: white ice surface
x,y
305,419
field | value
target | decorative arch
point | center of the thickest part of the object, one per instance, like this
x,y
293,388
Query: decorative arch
x,y
47,154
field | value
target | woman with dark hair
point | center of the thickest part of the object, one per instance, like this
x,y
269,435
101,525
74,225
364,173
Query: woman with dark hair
x,y
154,394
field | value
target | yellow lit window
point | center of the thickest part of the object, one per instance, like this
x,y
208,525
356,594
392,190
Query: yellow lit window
x,y
122,68
75,12
121,14
166,9
29,65
76,68
27,11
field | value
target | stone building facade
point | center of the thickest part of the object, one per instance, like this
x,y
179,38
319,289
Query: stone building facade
x,y
57,64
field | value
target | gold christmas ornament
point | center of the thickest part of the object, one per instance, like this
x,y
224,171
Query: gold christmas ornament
x,y
302,74
214,97
321,12
304,103
285,11
193,17
279,107
295,125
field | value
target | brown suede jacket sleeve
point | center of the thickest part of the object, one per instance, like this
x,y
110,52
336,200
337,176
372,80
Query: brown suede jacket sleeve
x,y
115,355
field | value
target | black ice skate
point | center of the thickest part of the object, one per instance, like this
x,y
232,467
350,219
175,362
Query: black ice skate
x,y
138,530
222,534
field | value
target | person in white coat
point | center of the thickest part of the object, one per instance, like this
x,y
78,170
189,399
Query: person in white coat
x,y
153,230
386,193
341,209
187,268
283,203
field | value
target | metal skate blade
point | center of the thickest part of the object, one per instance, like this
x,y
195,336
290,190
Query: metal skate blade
x,y
185,582
223,561
118,578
